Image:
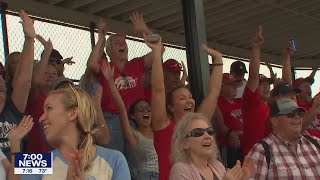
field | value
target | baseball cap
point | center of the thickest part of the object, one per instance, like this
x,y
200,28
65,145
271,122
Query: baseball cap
x,y
284,88
263,78
297,82
61,80
228,78
238,67
172,65
283,106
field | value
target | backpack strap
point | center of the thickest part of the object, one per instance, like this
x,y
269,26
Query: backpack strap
x,y
267,153
312,140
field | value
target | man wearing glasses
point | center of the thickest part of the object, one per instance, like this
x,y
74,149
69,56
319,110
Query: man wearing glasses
x,y
288,155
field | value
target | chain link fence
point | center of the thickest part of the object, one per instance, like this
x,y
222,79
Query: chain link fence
x,y
72,41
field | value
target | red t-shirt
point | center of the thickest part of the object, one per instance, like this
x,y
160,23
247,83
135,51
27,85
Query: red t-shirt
x,y
162,144
148,93
255,114
232,117
36,140
314,128
129,84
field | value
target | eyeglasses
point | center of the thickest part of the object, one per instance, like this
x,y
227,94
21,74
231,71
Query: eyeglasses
x,y
143,108
293,114
198,132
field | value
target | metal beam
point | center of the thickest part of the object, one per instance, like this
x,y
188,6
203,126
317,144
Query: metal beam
x,y
197,59
125,7
75,4
101,5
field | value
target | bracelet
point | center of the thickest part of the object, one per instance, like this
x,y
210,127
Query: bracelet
x,y
229,132
217,64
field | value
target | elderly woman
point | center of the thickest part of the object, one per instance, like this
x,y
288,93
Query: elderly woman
x,y
68,119
194,153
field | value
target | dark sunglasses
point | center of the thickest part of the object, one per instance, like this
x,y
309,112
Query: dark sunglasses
x,y
198,132
143,108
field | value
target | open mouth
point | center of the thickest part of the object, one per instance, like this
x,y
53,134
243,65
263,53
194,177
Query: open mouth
x,y
207,144
146,116
188,109
121,50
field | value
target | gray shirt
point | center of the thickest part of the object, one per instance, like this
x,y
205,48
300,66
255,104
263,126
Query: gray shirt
x,y
145,155
10,115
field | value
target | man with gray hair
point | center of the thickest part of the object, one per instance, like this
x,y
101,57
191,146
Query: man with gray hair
x,y
285,153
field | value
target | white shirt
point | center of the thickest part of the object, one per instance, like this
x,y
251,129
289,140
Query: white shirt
x,y
240,90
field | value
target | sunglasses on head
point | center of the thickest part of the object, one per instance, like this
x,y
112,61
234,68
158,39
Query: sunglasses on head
x,y
143,108
198,132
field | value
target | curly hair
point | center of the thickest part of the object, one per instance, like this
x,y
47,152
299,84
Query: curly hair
x,y
178,152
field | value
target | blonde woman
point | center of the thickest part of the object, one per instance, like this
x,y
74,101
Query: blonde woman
x,y
68,120
194,153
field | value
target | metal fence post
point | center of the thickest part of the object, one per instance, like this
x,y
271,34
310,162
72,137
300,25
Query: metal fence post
x,y
4,7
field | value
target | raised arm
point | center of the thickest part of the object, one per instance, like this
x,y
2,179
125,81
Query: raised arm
x,y
22,80
314,71
159,116
209,103
140,26
254,65
101,135
15,136
42,65
311,115
286,65
185,74
128,132
97,51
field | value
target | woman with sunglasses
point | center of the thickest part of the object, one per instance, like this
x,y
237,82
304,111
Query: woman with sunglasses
x,y
140,140
194,153
178,102
68,120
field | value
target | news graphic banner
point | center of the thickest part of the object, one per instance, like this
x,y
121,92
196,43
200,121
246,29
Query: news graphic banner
x,y
33,163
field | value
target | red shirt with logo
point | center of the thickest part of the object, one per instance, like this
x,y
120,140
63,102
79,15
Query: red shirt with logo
x,y
129,84
162,145
255,114
314,127
232,117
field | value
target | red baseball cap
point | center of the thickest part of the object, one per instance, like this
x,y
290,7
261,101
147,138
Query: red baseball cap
x,y
228,78
172,65
297,82
263,78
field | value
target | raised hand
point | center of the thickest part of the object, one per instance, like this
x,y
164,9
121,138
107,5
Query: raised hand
x,y
234,173
258,39
102,27
156,46
68,61
288,48
27,24
216,55
107,71
16,133
248,168
46,44
138,22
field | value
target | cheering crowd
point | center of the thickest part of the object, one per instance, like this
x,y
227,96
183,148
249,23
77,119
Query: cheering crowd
x,y
136,119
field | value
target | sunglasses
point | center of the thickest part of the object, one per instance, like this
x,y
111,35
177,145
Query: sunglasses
x,y
294,114
198,132
143,108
